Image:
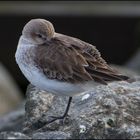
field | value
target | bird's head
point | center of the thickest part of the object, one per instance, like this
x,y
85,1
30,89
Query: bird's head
x,y
38,31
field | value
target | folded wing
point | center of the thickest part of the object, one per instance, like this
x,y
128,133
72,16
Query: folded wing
x,y
70,59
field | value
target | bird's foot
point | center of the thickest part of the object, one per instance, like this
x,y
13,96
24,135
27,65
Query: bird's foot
x,y
42,123
63,119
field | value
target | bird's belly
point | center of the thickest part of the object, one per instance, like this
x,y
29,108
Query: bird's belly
x,y
39,80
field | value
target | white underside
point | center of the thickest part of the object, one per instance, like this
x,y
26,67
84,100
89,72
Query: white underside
x,y
38,79
56,87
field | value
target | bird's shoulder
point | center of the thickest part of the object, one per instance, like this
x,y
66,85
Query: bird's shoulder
x,y
85,49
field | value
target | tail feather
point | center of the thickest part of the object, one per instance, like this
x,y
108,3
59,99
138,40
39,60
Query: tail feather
x,y
106,76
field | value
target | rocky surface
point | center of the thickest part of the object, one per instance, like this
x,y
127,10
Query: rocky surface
x,y
51,135
10,95
134,62
13,121
111,111
13,135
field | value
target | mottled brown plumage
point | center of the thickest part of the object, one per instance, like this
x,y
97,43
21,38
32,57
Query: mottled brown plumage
x,y
69,59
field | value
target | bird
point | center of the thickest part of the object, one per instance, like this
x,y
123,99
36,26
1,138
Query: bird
x,y
61,64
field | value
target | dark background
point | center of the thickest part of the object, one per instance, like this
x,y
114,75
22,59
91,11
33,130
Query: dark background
x,y
116,36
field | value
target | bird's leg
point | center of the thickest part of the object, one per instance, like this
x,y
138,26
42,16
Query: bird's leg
x,y
64,115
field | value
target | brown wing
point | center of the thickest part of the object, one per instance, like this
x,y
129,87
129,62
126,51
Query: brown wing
x,y
70,59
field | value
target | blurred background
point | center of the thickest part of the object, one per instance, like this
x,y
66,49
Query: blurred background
x,y
113,27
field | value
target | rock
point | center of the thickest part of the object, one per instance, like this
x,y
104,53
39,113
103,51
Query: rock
x,y
37,103
51,135
133,63
13,135
111,111
10,95
106,112
13,121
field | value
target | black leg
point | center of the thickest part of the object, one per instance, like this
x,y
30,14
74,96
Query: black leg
x,y
67,109
64,115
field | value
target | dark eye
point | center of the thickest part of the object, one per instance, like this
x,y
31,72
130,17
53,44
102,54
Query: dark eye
x,y
39,35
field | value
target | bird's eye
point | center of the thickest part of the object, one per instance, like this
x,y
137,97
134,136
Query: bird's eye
x,y
39,35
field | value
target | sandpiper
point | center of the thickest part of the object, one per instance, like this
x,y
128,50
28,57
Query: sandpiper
x,y
61,64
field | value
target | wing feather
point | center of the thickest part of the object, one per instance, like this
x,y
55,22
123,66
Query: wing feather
x,y
69,59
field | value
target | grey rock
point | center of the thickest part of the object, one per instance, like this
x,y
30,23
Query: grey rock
x,y
134,63
13,135
106,112
37,103
10,95
111,111
13,121
51,135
